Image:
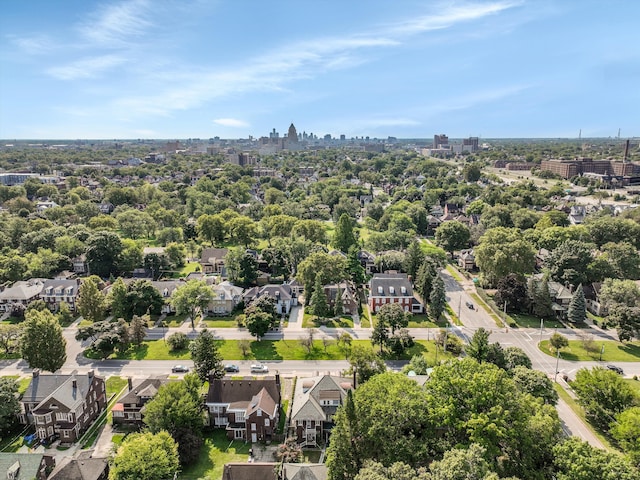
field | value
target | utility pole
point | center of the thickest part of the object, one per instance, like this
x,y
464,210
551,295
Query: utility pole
x,y
601,351
555,378
541,327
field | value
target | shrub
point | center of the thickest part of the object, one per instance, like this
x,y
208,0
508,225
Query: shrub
x,y
178,341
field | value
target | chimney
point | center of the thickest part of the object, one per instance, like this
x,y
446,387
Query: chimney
x,y
130,383
90,374
74,383
36,373
354,378
278,379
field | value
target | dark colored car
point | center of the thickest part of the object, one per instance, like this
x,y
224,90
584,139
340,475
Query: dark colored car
x,y
469,305
179,369
616,369
231,368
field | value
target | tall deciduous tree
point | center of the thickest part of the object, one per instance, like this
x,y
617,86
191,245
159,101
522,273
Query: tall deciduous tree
x,y
42,343
577,460
536,383
192,297
103,253
503,251
512,292
461,464
258,323
365,363
242,267
452,236
603,394
329,268
478,347
117,299
626,430
9,406
393,316
344,237
206,357
569,262
145,456
91,302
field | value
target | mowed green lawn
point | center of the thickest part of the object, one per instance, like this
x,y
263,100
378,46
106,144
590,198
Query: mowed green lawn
x,y
216,451
267,350
613,351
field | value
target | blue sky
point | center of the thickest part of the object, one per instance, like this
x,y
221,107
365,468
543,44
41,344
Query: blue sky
x,y
233,68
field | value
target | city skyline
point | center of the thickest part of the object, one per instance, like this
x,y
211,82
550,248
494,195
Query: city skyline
x,y
491,69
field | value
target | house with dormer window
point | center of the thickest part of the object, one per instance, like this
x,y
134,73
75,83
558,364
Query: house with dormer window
x,y
56,291
65,405
129,410
393,288
226,298
247,408
23,292
283,295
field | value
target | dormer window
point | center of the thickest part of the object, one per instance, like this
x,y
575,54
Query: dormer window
x,y
392,290
403,290
380,290
49,290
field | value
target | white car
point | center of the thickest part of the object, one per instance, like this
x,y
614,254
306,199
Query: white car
x,y
259,368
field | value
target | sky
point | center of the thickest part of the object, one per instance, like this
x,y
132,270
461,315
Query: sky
x,y
77,69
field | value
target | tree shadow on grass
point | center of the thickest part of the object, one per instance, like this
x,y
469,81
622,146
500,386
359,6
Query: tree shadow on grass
x,y
631,349
265,350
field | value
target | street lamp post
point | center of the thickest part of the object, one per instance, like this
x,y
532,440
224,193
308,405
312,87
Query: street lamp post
x,y
601,351
555,378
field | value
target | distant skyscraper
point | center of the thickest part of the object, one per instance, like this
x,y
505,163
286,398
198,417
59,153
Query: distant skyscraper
x,y
292,136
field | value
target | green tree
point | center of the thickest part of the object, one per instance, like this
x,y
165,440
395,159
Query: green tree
x,y
206,357
503,251
452,236
138,329
211,228
117,299
192,297
577,312
413,259
103,253
626,430
437,299
141,298
577,460
243,230
365,363
536,383
540,297
623,259
614,229
91,302
627,321
131,256
558,341
319,306
65,317
258,323
380,334
461,464
570,261
393,316
384,420
512,292
620,292
354,268
397,471
145,456
9,405
603,395
425,276
242,267
344,238
514,357
478,347
329,268
471,172
176,253
42,344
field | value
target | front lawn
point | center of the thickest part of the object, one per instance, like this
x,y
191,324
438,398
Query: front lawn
x,y
613,351
265,350
216,451
424,321
221,322
311,321
529,321
114,384
174,321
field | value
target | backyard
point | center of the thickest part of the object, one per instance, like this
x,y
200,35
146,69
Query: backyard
x,y
216,451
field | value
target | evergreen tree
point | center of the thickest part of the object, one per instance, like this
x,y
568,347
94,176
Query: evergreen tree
x,y
319,305
414,259
138,329
577,312
541,297
478,347
424,280
42,344
380,334
437,299
206,357
354,267
338,307
344,237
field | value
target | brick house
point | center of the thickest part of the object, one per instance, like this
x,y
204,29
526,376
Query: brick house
x,y
392,288
248,408
129,409
348,294
63,404
315,402
56,291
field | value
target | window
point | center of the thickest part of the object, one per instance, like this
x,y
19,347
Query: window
x,y
392,290
403,290
259,412
48,418
239,416
266,422
118,414
238,434
65,433
253,427
380,290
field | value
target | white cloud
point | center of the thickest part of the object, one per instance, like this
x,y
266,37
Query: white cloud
x,y
86,68
35,45
114,25
230,122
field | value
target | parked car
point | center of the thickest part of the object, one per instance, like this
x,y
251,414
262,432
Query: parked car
x,y
179,369
259,368
231,368
469,305
616,369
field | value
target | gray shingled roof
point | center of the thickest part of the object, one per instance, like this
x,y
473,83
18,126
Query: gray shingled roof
x,y
146,388
389,282
227,390
29,464
79,469
58,386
